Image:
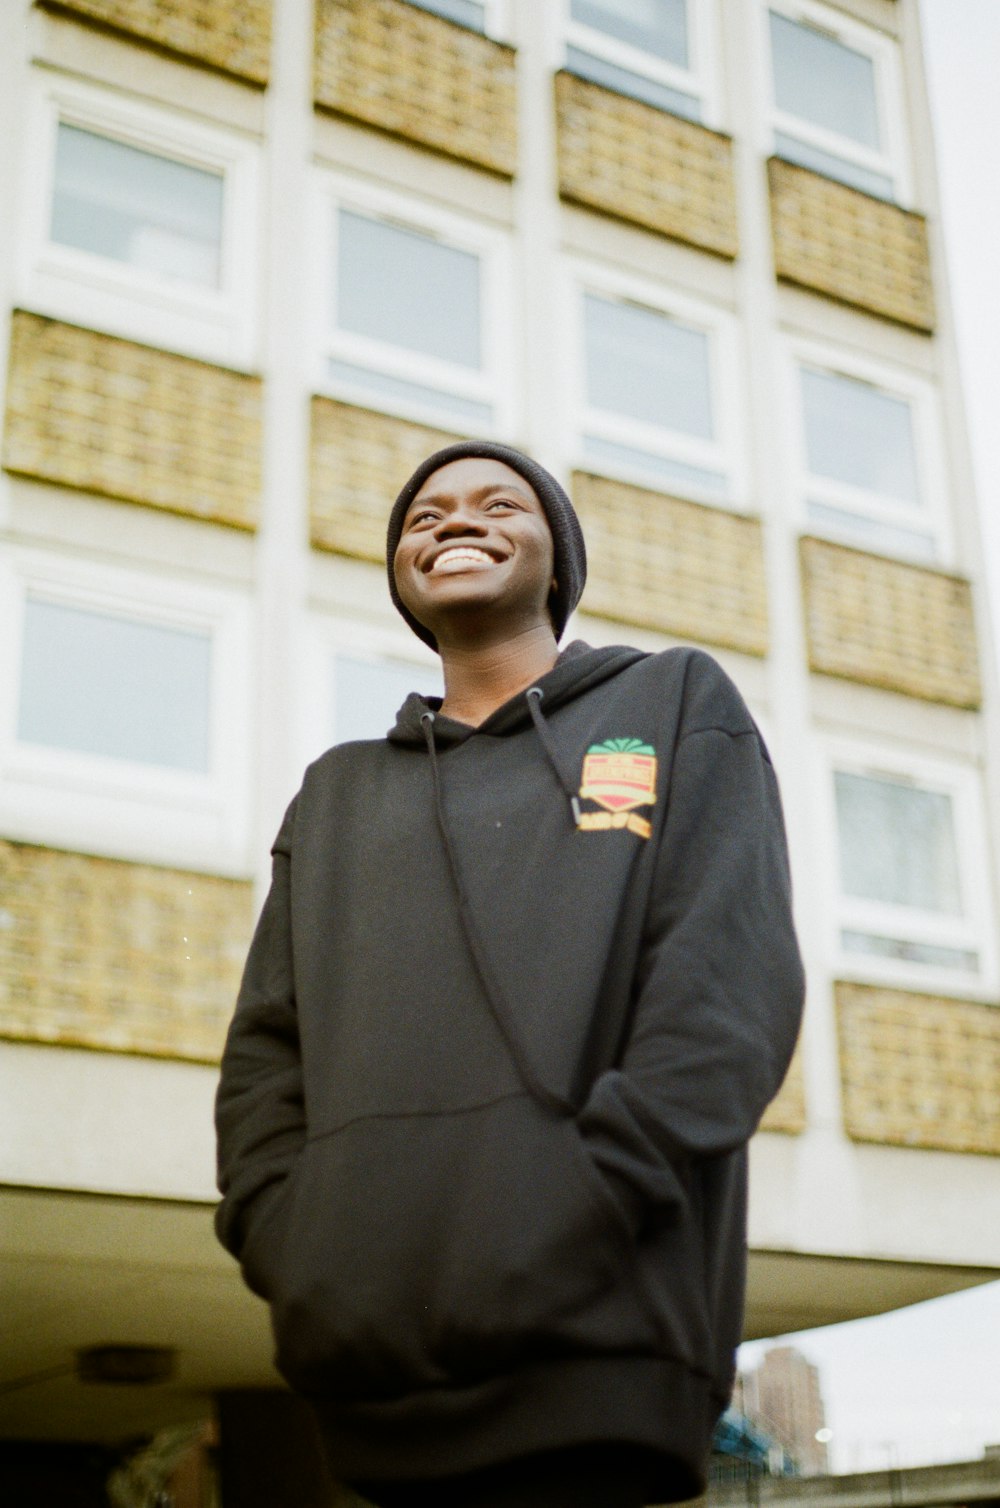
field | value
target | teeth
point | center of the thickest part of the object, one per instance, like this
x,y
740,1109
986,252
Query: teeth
x,y
459,556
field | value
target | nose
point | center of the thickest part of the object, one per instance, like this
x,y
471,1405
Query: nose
x,y
461,519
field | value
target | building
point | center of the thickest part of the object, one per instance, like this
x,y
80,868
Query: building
x,y
956,1485
782,1395
258,259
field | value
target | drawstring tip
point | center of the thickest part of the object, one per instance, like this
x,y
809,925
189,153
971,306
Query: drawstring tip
x,y
575,806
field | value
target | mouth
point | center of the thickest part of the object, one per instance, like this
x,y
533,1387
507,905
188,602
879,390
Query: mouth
x,y
460,558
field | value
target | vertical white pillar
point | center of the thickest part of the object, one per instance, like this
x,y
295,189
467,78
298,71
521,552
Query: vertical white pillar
x,y
825,1172
283,541
538,274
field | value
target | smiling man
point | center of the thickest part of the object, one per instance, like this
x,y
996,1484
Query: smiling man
x,y
524,983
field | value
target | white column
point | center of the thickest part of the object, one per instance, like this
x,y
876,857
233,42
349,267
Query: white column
x,y
283,542
824,1184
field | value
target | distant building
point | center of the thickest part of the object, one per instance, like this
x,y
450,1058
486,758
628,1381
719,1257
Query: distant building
x,y
782,1397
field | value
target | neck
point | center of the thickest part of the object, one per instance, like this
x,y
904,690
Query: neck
x,y
479,678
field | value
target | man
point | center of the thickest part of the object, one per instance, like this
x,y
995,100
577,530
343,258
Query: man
x,y
525,982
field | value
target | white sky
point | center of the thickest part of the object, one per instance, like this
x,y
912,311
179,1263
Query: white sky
x,y
923,1384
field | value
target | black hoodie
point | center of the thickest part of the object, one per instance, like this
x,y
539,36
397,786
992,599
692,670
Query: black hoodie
x,y
516,1002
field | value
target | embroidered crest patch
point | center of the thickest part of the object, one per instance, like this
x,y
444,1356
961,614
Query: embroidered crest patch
x,y
619,775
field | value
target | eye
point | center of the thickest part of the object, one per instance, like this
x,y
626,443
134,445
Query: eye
x,y
422,516
503,502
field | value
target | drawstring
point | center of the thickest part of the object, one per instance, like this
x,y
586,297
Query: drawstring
x,y
500,1008
535,695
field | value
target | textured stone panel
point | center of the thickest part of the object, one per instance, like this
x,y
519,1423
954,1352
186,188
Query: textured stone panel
x,y
687,570
106,415
838,241
126,957
417,75
233,36
358,462
884,623
919,1070
640,164
787,1112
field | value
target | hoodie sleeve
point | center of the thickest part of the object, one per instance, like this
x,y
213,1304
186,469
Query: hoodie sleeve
x,y
719,985
259,1113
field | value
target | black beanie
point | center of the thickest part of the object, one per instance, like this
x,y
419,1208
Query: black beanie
x,y
568,550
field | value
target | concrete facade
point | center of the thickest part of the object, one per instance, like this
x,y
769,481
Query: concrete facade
x,y
207,411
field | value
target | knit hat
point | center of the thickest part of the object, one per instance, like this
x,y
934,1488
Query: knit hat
x,y
568,550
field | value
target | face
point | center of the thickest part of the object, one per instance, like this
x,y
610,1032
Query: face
x,y
475,544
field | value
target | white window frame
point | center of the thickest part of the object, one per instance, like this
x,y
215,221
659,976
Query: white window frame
x,y
893,161
701,80
493,386
104,804
495,17
331,635
86,288
972,931
929,457
726,453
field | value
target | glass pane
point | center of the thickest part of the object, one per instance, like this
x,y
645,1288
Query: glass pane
x,y
879,185
647,367
910,952
654,26
874,533
468,13
369,693
407,289
859,435
471,414
897,844
673,474
98,684
635,85
820,80
137,207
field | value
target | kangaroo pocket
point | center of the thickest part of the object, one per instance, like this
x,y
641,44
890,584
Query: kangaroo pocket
x,y
428,1250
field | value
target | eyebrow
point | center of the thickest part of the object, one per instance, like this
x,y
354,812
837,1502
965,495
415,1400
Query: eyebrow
x,y
423,499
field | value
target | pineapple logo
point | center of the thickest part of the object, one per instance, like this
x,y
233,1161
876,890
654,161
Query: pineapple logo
x,y
619,775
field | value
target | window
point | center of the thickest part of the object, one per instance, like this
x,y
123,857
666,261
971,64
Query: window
x,y
136,207
654,407
416,322
144,223
912,893
100,684
836,105
125,712
468,13
870,457
369,690
653,50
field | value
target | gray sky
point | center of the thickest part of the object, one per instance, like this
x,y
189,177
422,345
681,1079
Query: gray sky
x,y
962,50
923,1384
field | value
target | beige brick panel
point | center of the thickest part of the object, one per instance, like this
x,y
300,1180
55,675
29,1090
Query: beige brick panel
x,y
850,246
902,627
358,462
233,36
919,1070
676,566
125,957
640,164
787,1112
416,75
105,415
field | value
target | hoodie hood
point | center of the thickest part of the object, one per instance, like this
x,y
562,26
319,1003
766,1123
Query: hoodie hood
x,y
578,668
